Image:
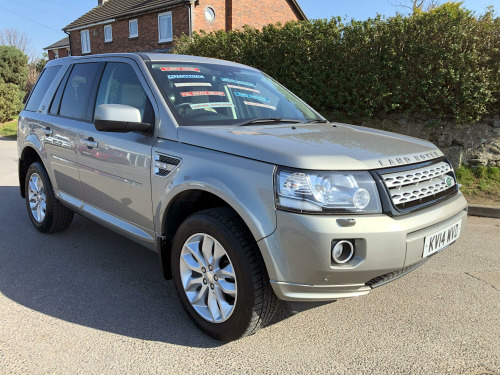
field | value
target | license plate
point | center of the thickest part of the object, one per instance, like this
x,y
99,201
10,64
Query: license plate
x,y
439,240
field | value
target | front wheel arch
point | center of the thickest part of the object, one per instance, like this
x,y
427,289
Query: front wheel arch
x,y
180,208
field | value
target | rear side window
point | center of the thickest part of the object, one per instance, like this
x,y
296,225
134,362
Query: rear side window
x,y
41,88
75,99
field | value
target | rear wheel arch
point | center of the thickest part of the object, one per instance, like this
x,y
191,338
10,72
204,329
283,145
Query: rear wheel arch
x,y
28,157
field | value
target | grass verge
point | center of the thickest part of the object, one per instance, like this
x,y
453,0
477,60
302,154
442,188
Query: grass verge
x,y
480,185
8,129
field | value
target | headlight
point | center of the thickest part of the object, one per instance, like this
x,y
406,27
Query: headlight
x,y
333,192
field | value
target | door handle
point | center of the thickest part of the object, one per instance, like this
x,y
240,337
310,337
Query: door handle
x,y
90,143
48,131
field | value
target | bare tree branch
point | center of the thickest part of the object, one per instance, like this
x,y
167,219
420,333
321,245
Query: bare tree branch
x,y
11,36
414,5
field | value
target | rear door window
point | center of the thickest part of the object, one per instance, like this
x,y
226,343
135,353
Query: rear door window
x,y
75,100
41,88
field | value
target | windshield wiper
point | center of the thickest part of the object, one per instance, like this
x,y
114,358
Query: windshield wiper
x,y
270,120
318,122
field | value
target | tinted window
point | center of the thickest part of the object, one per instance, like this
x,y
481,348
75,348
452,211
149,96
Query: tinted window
x,y
41,88
120,85
56,102
75,101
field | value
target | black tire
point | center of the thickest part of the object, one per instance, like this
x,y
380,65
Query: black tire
x,y
256,303
57,217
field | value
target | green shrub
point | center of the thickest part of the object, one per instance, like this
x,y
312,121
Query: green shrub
x,y
10,101
444,63
13,66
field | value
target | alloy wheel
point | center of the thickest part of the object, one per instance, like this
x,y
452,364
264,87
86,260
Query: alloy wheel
x,y
37,197
208,278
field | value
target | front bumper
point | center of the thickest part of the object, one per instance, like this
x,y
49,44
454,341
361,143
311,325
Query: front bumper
x,y
298,253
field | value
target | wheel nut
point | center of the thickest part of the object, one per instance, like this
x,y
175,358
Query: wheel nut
x,y
205,281
216,278
210,268
203,269
212,286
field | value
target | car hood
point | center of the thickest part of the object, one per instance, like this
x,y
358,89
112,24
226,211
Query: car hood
x,y
313,146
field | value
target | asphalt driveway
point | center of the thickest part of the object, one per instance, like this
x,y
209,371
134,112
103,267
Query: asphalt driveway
x,y
90,301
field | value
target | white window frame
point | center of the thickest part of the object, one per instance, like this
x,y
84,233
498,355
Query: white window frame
x,y
106,40
85,39
160,40
56,54
130,35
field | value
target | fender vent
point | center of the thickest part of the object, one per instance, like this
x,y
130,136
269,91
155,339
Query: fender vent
x,y
165,164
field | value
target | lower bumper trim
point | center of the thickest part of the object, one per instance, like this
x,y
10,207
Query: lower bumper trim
x,y
388,277
308,293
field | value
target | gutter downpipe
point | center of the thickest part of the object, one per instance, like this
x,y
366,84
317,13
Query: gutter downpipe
x,y
189,5
69,37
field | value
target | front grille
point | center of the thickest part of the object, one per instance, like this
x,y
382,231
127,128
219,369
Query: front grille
x,y
422,185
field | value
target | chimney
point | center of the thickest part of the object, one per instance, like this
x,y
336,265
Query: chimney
x,y
100,2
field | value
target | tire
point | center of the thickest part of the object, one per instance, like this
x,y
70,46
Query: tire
x,y
44,210
240,305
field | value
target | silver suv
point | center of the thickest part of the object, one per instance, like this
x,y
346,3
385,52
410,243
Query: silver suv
x,y
248,195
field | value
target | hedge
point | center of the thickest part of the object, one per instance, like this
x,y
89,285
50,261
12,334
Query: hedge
x,y
10,101
13,75
444,63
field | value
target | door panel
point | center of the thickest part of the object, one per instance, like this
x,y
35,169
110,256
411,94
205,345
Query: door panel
x,y
60,137
115,168
60,126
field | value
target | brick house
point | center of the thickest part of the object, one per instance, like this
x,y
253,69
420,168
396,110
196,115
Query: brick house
x,y
58,49
151,25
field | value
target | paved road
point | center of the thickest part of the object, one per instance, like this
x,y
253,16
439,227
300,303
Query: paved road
x,y
90,301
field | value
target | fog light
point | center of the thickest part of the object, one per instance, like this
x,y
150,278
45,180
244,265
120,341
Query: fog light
x,y
342,252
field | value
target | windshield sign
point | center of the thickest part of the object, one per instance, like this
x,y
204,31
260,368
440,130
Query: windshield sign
x,y
211,94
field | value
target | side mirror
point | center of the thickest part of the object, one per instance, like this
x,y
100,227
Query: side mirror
x,y
119,118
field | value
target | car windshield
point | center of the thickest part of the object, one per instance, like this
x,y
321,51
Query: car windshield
x,y
212,94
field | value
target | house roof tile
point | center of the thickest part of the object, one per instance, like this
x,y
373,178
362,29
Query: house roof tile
x,y
119,8
64,42
112,9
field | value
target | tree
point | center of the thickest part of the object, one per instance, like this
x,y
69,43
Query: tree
x,y
10,36
40,63
417,5
13,66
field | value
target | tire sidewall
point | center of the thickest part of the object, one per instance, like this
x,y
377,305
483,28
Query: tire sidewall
x,y
239,320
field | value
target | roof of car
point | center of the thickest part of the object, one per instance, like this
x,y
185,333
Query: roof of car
x,y
153,57
112,9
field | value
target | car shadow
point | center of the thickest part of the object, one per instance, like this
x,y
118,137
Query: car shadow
x,y
90,276
8,138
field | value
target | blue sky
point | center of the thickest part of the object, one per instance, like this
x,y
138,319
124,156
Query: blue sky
x,y
44,19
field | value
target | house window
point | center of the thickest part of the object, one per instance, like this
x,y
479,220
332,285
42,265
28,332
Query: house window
x,y
68,51
133,29
108,34
85,37
56,54
165,27
210,14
